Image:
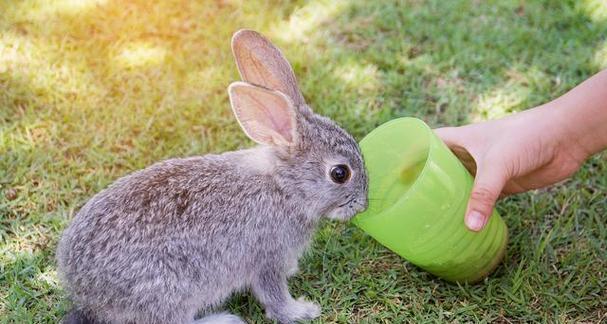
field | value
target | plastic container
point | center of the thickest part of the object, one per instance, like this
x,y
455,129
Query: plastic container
x,y
418,192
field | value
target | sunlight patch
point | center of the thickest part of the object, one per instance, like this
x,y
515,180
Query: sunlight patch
x,y
21,247
70,6
496,104
600,58
500,103
307,18
34,64
14,50
596,9
140,54
39,9
48,277
359,76
513,95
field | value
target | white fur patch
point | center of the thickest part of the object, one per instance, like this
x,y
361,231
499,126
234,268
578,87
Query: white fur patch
x,y
259,159
223,318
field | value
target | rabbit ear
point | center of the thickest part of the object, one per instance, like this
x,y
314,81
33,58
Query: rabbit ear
x,y
261,63
266,116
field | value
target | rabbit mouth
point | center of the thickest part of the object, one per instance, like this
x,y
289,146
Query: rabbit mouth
x,y
346,203
346,210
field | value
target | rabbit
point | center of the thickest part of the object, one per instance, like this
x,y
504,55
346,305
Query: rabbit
x,y
175,240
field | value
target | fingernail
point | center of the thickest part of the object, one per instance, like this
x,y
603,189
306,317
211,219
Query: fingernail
x,y
475,221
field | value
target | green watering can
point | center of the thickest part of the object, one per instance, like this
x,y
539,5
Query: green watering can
x,y
418,193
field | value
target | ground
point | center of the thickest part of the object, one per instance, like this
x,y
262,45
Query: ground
x,y
91,90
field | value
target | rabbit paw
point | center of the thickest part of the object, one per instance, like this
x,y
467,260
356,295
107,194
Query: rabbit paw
x,y
293,269
222,318
294,311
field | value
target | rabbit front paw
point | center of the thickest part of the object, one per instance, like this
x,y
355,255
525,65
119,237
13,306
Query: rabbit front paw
x,y
294,311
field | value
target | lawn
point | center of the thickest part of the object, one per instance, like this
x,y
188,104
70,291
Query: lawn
x,y
91,90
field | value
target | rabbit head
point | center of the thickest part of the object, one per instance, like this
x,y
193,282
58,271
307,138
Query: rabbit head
x,y
321,163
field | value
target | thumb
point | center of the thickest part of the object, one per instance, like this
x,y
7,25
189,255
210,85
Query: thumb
x,y
488,184
449,135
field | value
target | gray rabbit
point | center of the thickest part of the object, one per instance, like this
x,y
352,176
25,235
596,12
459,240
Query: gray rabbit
x,y
176,239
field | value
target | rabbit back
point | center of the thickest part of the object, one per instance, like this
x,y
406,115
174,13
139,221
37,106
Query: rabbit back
x,y
178,236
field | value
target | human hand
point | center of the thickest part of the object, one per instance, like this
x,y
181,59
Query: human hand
x,y
531,149
511,155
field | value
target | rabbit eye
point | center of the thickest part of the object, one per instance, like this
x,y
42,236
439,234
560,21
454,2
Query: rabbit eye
x,y
340,173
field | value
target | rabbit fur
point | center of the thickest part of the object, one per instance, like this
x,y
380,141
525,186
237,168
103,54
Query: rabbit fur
x,y
176,239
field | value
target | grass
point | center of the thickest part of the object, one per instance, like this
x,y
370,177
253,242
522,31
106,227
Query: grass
x,y
92,90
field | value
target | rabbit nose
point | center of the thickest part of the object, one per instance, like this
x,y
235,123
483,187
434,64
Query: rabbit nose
x,y
359,205
364,203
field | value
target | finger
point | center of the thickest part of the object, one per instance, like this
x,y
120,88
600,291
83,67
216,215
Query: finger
x,y
449,135
488,184
465,136
453,137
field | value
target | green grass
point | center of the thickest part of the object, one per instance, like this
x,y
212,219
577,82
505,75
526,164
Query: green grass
x,y
92,90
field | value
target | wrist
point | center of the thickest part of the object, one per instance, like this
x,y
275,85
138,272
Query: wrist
x,y
570,134
583,115
560,133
